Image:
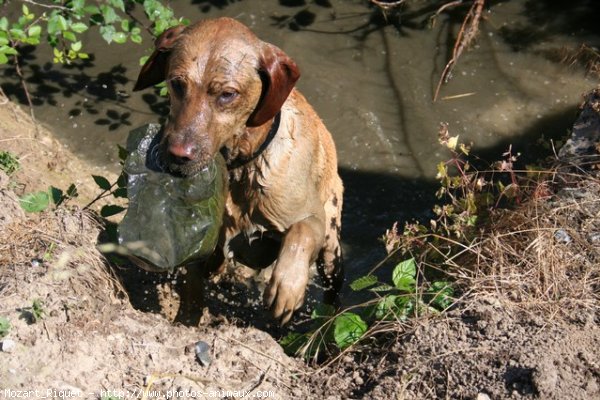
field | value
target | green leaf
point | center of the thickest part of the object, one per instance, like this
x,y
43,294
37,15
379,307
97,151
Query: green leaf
x,y
62,23
293,342
35,30
56,23
102,182
109,14
122,180
384,310
25,9
9,163
348,328
144,59
37,310
110,210
4,24
35,202
92,9
404,275
70,36
72,191
135,38
17,34
76,46
9,51
440,295
382,288
3,58
4,326
57,195
32,40
363,282
107,33
120,37
79,27
83,56
123,153
120,193
118,4
323,311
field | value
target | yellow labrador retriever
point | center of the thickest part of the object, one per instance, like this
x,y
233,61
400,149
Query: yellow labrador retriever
x,y
232,93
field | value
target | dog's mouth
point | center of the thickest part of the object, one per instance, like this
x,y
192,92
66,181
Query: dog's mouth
x,y
186,168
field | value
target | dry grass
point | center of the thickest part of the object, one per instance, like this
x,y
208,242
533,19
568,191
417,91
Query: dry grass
x,y
544,255
56,249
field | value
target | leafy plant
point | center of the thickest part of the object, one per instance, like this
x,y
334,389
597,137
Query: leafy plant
x,y
35,312
116,189
4,326
396,302
9,163
40,201
35,202
61,23
466,198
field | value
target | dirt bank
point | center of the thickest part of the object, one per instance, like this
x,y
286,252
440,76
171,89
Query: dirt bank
x,y
75,328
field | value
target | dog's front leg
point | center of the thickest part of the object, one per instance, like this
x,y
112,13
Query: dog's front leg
x,y
287,287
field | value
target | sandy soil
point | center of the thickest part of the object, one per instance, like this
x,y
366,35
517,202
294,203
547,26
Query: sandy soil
x,y
100,335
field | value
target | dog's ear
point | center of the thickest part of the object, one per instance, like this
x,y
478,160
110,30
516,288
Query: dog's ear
x,y
279,73
154,70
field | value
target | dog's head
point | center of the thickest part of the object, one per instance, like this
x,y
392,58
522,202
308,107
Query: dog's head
x,y
222,80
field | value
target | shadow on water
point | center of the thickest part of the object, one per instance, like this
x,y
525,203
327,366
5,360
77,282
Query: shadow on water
x,y
547,18
209,5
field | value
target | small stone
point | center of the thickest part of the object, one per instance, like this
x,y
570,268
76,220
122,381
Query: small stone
x,y
202,353
562,236
483,396
357,378
8,345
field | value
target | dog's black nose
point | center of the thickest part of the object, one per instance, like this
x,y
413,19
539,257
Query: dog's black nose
x,y
182,153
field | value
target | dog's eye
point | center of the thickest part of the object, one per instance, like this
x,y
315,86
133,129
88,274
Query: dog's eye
x,y
227,97
178,87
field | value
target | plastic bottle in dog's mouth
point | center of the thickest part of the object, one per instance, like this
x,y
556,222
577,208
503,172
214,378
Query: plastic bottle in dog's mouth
x,y
171,220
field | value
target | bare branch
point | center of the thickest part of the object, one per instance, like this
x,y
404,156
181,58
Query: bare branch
x,y
386,5
43,5
467,33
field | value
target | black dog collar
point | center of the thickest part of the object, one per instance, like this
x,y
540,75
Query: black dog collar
x,y
238,162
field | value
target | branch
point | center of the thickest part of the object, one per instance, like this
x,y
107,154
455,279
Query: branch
x,y
51,6
386,5
24,86
466,34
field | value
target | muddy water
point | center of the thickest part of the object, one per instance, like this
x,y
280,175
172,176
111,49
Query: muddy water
x,y
371,79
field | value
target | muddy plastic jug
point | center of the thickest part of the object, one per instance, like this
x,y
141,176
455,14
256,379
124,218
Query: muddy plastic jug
x,y
171,220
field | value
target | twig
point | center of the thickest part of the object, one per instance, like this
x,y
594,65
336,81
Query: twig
x,y
24,86
444,7
466,34
259,381
386,5
133,17
260,353
51,6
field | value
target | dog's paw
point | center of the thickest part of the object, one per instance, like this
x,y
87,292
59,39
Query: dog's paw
x,y
285,292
